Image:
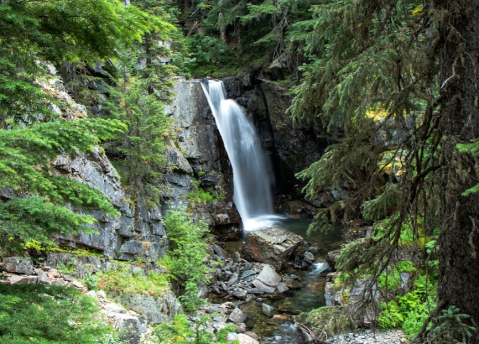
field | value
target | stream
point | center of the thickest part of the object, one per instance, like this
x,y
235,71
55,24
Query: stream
x,y
253,199
281,329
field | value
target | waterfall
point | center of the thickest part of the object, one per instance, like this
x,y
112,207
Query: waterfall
x,y
252,182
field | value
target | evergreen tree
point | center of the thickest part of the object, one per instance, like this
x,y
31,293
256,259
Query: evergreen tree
x,y
399,81
72,30
36,198
140,154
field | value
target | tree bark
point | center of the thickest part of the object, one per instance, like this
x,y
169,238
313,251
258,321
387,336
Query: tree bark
x,y
458,51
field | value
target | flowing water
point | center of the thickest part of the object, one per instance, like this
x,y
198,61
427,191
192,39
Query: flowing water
x,y
282,330
252,184
253,199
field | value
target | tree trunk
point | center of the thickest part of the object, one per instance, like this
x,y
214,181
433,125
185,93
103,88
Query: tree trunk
x,y
459,237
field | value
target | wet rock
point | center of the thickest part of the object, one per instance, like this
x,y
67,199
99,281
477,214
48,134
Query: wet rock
x,y
237,316
267,310
268,276
18,265
278,319
247,273
233,279
308,256
239,294
332,258
222,219
220,252
293,284
272,246
230,232
261,288
282,288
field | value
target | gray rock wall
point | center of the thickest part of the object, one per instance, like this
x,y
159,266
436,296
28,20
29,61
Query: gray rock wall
x,y
125,237
200,157
198,154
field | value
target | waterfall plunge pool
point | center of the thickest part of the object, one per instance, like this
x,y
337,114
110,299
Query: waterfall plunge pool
x,y
282,330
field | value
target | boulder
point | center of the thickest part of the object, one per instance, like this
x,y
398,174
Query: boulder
x,y
156,309
268,276
15,279
245,339
237,316
267,310
261,288
18,265
239,294
272,246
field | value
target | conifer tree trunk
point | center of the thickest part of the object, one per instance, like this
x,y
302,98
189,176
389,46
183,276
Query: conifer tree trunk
x,y
459,237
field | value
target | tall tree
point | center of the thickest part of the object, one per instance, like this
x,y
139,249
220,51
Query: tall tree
x,y
400,81
140,154
36,200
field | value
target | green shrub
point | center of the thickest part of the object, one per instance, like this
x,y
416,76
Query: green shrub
x,y
412,309
91,281
201,196
66,267
327,321
123,281
181,331
186,260
48,314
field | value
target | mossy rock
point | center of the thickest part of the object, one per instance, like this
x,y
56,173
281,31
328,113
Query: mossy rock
x,y
326,322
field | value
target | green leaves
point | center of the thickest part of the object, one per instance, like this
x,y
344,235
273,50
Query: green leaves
x,y
136,100
49,315
187,257
43,197
56,31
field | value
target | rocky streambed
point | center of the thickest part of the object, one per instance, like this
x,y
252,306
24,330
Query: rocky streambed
x,y
269,276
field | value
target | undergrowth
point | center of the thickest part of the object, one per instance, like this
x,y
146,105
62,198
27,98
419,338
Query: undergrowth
x,y
47,314
181,331
186,259
123,280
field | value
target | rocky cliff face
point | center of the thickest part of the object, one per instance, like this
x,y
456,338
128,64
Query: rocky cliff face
x,y
201,161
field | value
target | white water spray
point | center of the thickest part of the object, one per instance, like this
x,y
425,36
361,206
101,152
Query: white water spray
x,y
252,184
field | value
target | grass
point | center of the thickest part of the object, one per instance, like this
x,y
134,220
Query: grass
x,y
125,282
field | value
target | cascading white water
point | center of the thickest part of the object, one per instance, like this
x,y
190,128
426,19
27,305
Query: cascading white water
x,y
252,183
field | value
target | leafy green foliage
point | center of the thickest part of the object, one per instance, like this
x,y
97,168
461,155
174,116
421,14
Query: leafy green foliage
x,y
91,281
199,195
55,31
32,32
26,155
186,260
207,56
181,331
411,309
140,154
48,314
122,280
